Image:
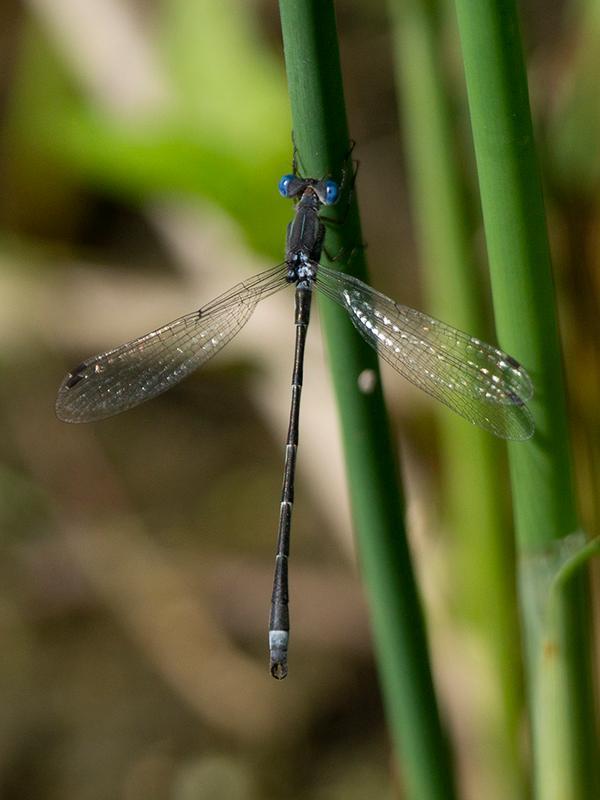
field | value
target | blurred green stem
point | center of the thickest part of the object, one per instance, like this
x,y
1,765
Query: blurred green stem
x,y
453,292
321,137
555,623
574,126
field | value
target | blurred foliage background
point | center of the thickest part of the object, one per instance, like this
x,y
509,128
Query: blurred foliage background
x,y
140,146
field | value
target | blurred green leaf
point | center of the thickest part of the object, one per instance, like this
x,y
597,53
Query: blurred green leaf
x,y
225,138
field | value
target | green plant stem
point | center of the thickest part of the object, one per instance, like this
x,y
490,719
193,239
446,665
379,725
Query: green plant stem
x,y
557,642
321,138
473,497
574,127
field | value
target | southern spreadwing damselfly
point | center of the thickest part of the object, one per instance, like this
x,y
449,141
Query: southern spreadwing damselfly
x,y
476,380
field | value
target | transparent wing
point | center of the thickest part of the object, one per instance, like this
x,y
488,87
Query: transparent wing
x,y
144,368
478,381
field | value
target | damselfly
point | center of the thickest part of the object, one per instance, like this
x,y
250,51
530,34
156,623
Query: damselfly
x,y
481,383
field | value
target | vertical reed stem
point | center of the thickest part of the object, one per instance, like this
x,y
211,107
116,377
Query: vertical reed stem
x,y
321,137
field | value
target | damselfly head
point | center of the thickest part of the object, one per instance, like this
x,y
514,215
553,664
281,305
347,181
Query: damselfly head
x,y
327,191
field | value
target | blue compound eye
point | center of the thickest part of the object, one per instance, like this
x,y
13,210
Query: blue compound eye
x,y
284,184
332,191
